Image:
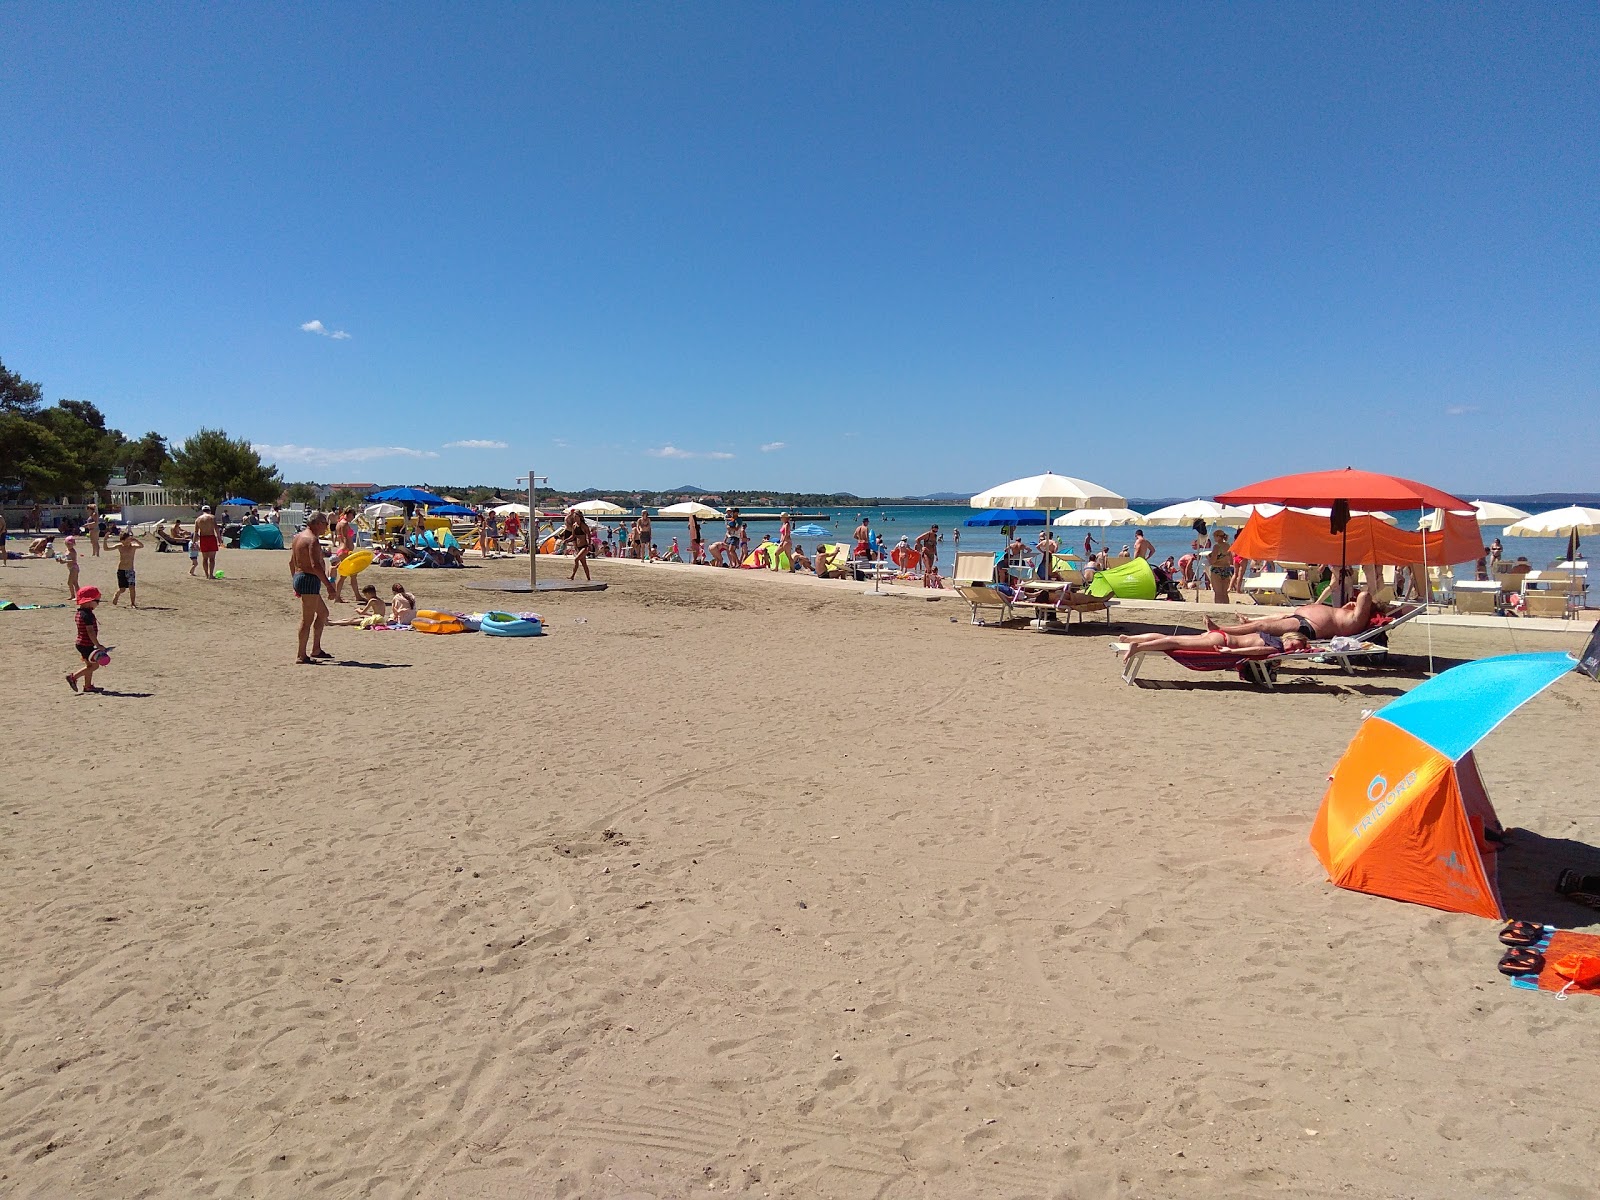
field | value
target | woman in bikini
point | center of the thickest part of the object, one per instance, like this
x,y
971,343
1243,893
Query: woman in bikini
x,y
1222,641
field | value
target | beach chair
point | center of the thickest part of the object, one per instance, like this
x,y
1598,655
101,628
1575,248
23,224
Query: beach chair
x,y
1546,604
1261,666
972,566
1479,603
1048,613
1267,587
1297,591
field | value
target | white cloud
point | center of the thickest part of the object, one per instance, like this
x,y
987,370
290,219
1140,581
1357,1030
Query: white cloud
x,y
671,451
322,330
319,456
1461,410
769,447
475,444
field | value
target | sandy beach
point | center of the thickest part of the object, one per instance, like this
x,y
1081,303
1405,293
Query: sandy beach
x,y
738,884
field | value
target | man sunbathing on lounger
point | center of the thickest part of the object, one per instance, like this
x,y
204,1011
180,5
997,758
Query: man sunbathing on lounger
x,y
1320,622
1220,641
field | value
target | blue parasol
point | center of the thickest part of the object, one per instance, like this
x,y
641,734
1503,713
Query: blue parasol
x,y
812,529
1007,516
407,495
237,502
451,510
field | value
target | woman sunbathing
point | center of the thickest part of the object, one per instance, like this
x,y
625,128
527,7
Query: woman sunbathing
x,y
1221,641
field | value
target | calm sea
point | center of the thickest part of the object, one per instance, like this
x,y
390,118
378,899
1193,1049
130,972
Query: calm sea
x,y
911,520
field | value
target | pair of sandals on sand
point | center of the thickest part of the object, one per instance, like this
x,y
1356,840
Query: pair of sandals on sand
x,y
1522,936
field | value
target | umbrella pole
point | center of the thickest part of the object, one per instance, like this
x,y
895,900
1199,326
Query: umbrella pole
x,y
1427,586
533,546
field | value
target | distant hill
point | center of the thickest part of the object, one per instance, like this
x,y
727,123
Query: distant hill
x,y
689,488
946,497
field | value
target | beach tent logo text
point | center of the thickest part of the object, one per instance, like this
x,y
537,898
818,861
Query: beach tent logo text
x,y
1382,799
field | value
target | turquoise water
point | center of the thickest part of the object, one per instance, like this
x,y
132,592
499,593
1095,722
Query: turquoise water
x,y
912,520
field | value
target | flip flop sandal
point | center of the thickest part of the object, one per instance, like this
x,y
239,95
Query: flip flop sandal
x,y
1521,961
1522,933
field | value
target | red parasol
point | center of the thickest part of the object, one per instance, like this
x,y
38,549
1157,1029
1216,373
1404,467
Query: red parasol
x,y
1358,489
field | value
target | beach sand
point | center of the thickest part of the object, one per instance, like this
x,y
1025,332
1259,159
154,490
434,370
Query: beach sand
x,y
740,884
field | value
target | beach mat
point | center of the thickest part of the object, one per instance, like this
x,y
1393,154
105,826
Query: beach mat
x,y
1556,946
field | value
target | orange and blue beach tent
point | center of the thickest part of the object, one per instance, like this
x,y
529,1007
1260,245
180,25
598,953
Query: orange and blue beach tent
x,y
1405,812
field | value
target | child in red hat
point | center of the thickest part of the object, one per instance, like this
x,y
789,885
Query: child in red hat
x,y
88,642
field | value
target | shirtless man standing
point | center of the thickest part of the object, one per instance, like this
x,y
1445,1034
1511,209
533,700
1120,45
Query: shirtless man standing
x,y
127,547
205,536
642,531
1143,547
309,572
1320,622
863,536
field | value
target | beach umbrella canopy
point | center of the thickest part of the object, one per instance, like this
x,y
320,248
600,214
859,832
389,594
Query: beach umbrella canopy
x,y
237,502
1487,512
505,510
689,508
1560,522
1100,517
811,530
1358,489
1048,491
598,508
1188,512
379,511
452,510
1272,510
1406,808
408,495
1007,516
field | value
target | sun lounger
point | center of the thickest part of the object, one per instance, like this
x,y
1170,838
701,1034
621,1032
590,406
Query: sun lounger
x,y
981,596
1267,587
1255,666
1261,666
1050,604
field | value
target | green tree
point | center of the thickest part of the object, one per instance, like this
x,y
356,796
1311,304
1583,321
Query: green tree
x,y
145,460
345,498
210,466
36,460
81,428
18,395
301,493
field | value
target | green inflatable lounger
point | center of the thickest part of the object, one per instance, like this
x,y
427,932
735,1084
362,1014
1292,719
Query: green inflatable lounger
x,y
1131,581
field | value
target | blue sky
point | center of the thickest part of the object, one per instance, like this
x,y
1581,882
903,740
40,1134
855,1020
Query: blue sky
x,y
890,249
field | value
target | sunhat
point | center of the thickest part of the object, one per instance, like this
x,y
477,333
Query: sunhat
x,y
86,594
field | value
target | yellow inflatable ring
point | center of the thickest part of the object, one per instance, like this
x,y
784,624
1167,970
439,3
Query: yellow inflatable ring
x,y
354,563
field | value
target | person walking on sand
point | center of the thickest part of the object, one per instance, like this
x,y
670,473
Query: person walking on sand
x,y
205,536
91,524
87,643
578,541
70,558
127,547
308,570
344,543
